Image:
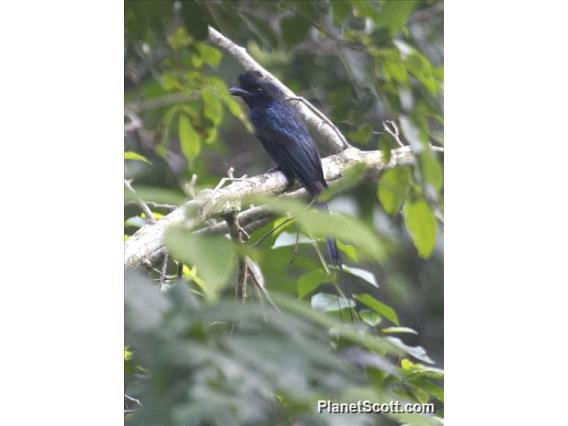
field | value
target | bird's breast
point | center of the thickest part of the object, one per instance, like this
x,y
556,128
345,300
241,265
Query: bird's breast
x,y
276,117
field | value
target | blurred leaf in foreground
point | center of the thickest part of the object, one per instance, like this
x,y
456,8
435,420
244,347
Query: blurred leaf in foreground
x,y
190,141
321,224
213,256
131,155
393,189
421,224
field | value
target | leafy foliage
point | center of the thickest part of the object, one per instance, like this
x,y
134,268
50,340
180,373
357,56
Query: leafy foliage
x,y
370,331
213,257
210,364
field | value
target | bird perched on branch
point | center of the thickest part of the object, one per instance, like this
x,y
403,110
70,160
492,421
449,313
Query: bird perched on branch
x,y
285,137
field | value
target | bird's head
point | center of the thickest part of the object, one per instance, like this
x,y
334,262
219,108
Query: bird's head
x,y
255,89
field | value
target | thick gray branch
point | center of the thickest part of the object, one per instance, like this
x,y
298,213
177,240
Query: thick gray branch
x,y
148,239
317,121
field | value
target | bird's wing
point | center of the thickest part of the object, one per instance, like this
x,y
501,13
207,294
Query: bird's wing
x,y
292,147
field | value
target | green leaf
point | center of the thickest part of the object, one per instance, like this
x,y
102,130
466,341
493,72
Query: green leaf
x,y
321,224
349,250
189,139
397,71
179,39
192,111
325,302
127,354
393,189
213,256
212,108
143,19
419,372
432,170
312,280
287,239
361,273
294,29
417,352
341,10
131,155
170,83
166,125
421,224
394,14
379,307
421,395
401,330
362,134
301,309
386,144
281,224
421,67
194,19
370,318
233,106
406,364
352,176
209,54
432,389
364,9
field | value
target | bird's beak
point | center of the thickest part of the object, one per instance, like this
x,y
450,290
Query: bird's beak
x,y
237,91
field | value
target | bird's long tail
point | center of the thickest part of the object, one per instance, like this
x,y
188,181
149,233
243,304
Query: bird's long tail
x,y
331,244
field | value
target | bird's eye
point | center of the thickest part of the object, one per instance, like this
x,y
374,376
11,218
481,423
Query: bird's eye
x,y
258,90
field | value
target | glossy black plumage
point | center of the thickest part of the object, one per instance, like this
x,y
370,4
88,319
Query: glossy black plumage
x,y
285,137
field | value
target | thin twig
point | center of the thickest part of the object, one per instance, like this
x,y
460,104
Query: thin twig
x,y
265,236
240,238
296,247
344,296
229,178
190,187
130,398
143,206
179,274
254,275
392,129
250,220
135,122
164,268
321,258
154,205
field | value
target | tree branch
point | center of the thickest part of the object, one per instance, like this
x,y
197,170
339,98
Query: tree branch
x,y
147,243
317,121
149,239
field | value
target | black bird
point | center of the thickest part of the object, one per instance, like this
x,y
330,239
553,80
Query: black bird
x,y
285,137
